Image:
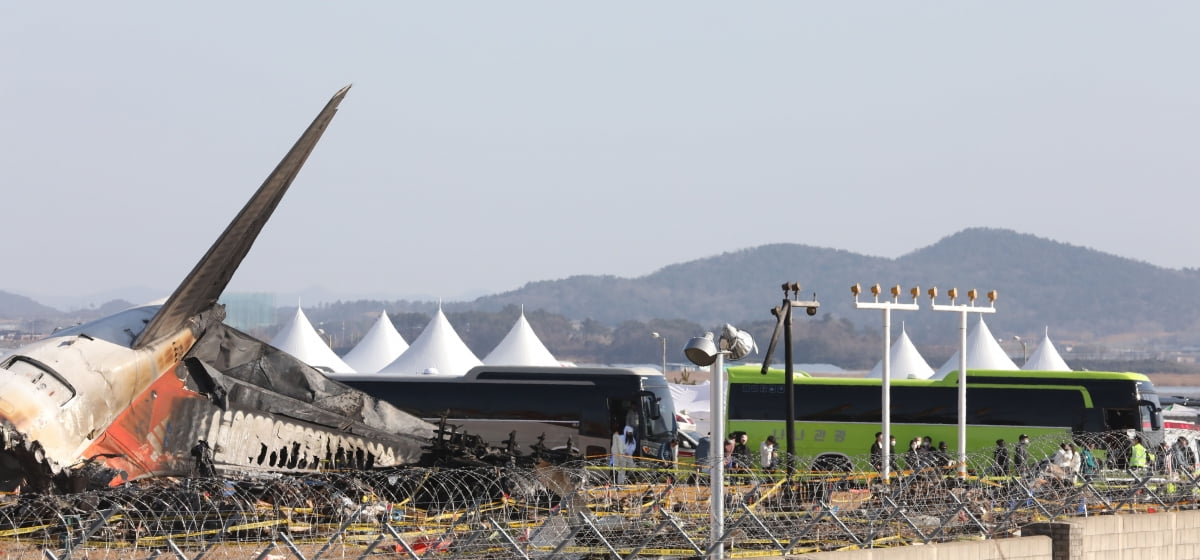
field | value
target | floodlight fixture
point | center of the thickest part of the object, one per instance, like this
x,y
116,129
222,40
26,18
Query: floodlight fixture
x,y
705,351
701,350
737,343
734,343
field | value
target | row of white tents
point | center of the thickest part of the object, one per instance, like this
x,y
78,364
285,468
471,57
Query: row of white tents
x,y
983,352
437,351
440,351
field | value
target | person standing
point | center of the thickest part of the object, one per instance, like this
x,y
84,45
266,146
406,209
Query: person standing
x,y
1000,458
912,458
941,457
703,449
1060,464
895,466
624,445
614,458
741,451
1076,462
1161,458
1182,456
877,452
1088,466
1137,454
1021,456
768,454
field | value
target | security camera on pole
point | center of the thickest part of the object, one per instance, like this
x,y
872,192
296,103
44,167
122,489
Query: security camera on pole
x,y
885,470
963,310
783,321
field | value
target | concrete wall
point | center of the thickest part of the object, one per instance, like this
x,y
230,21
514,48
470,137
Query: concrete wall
x,y
1148,536
1023,548
1158,536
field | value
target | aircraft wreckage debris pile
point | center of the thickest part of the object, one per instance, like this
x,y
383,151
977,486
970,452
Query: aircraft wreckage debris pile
x,y
570,509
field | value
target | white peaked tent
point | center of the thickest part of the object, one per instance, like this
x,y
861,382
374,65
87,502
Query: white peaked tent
x,y
983,352
379,347
300,339
907,362
438,351
520,347
1046,357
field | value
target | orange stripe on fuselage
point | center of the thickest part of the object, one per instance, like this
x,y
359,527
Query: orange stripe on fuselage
x,y
132,439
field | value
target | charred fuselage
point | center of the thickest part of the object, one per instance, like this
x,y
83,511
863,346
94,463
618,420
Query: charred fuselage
x,y
170,390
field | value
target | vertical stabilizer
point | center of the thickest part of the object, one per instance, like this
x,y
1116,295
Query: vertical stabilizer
x,y
203,286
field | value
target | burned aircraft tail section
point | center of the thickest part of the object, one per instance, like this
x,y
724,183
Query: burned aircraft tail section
x,y
173,391
237,405
203,286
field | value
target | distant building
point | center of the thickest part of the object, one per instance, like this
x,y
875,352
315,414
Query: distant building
x,y
249,311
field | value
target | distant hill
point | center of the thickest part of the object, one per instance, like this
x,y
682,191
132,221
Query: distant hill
x,y
16,306
1080,293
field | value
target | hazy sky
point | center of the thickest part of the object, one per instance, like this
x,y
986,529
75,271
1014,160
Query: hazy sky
x,y
488,144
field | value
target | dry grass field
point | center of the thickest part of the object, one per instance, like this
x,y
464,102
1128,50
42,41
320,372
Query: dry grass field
x,y
1175,379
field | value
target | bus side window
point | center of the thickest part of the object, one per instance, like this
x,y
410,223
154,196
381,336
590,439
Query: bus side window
x,y
1121,419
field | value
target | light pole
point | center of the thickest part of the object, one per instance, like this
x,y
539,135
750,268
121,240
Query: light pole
x,y
1024,354
783,321
962,310
704,351
885,470
663,340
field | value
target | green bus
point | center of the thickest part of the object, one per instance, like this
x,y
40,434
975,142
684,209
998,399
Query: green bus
x,y
837,417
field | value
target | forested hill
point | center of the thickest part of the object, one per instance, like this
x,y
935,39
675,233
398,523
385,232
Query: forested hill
x,y
13,305
1078,292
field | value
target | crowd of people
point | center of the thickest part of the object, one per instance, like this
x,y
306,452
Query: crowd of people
x,y
1071,461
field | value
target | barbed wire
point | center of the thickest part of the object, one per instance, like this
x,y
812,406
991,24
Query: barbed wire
x,y
576,509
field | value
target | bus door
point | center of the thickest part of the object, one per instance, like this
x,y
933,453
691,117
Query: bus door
x,y
623,412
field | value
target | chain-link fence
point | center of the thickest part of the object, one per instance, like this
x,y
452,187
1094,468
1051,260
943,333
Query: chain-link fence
x,y
572,510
